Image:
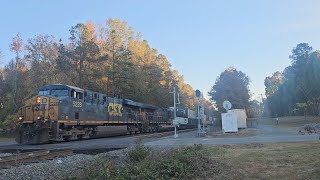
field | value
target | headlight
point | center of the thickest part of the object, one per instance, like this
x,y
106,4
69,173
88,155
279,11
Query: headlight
x,y
38,99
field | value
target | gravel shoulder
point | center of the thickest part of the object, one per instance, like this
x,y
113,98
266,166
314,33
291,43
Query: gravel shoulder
x,y
61,168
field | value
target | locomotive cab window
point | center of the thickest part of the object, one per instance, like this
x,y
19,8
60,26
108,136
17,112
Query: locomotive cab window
x,y
73,93
43,93
79,95
59,92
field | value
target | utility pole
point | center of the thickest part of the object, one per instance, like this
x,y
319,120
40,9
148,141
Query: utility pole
x,y
198,94
199,125
175,124
203,112
175,111
174,103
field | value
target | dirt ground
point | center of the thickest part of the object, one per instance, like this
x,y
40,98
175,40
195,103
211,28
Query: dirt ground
x,y
269,161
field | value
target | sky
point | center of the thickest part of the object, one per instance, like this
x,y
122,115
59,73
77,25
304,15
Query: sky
x,y
201,38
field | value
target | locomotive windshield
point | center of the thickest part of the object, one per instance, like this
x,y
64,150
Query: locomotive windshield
x,y
59,92
55,92
44,92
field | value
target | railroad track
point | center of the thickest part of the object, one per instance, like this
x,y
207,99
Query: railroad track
x,y
31,157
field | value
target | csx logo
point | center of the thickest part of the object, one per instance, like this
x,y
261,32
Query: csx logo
x,y
77,104
115,109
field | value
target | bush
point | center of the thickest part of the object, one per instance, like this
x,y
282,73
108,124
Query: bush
x,y
9,124
184,163
138,153
143,163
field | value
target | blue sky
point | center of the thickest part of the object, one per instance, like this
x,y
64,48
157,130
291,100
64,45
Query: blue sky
x,y
200,38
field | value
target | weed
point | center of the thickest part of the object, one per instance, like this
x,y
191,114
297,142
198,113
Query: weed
x,y
184,163
138,153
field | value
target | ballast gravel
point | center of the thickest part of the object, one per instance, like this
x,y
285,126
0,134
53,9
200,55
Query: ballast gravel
x,y
61,168
5,154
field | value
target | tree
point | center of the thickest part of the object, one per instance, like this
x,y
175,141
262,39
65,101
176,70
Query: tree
x,y
41,53
109,59
85,52
2,87
16,47
231,85
256,109
298,86
272,83
300,54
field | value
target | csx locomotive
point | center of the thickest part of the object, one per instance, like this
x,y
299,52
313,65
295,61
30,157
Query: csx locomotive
x,y
62,112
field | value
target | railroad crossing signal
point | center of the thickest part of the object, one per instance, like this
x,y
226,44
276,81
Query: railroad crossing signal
x,y
198,93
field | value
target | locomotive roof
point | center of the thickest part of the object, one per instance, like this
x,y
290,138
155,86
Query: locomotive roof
x,y
125,101
142,105
59,86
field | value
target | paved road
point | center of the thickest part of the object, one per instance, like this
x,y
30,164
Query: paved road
x,y
87,145
266,134
102,143
269,130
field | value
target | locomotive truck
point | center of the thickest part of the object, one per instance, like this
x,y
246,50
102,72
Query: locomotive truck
x,y
62,112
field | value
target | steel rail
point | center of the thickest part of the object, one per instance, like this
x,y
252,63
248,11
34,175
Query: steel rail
x,y
30,157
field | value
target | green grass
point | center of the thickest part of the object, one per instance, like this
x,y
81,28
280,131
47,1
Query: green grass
x,y
252,161
7,137
275,161
291,121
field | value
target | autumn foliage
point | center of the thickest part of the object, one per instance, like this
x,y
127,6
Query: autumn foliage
x,y
110,58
